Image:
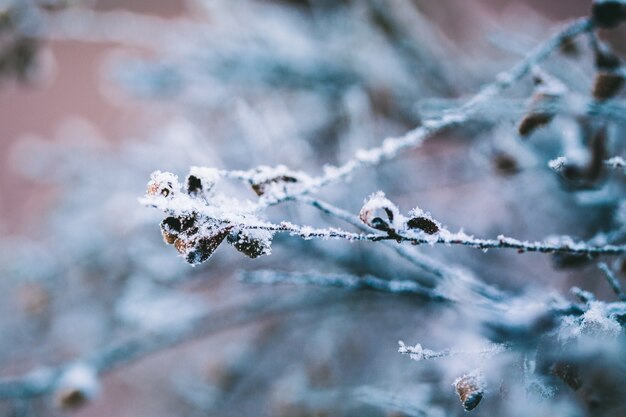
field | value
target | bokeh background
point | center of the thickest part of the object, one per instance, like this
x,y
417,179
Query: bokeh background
x,y
117,89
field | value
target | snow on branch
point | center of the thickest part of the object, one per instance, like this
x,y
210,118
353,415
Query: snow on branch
x,y
418,353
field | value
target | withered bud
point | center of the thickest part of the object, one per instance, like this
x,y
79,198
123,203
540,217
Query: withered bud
x,y
170,228
378,203
162,183
505,164
261,187
201,180
194,184
608,13
470,389
248,245
197,249
607,84
424,224
535,119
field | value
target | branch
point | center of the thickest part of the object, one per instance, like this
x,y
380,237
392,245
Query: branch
x,y
561,245
612,280
418,353
392,146
346,281
47,380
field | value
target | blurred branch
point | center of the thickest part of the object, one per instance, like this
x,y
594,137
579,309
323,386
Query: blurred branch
x,y
345,281
45,380
612,280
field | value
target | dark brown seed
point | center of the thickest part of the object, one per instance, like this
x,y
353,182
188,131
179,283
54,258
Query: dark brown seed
x,y
423,223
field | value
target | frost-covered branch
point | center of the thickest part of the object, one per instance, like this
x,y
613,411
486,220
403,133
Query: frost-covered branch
x,y
392,146
418,353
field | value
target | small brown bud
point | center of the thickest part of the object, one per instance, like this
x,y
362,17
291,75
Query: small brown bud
x,y
569,47
197,249
533,121
170,228
260,188
470,390
607,84
249,246
505,164
423,223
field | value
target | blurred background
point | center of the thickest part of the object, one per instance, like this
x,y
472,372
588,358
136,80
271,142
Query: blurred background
x,y
95,95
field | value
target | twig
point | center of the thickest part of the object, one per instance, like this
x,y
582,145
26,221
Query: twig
x,y
392,146
44,380
443,237
342,281
612,280
418,353
425,263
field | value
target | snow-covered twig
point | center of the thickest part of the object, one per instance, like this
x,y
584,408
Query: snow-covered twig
x,y
418,353
45,380
392,146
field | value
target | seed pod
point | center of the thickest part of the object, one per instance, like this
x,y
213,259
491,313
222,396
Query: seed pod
x,y
608,13
250,246
470,390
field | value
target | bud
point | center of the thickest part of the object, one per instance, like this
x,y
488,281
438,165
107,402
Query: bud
x,y
607,84
470,389
249,245
162,183
425,224
196,248
608,13
377,202
542,108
